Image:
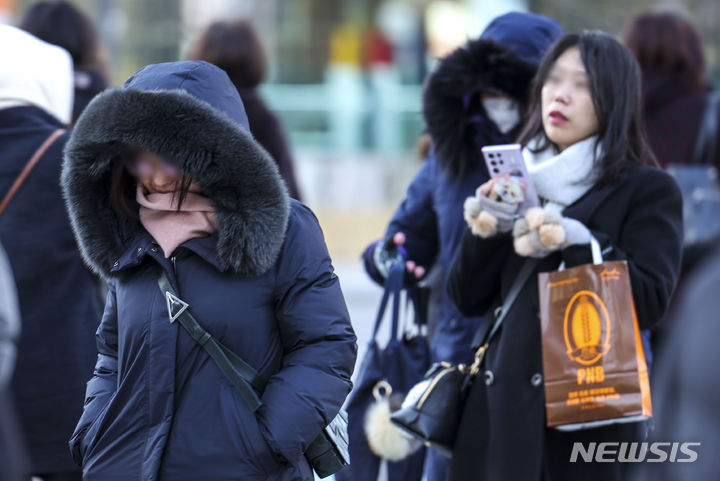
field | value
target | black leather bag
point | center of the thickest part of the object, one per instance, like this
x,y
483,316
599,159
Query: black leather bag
x,y
327,454
433,408
435,416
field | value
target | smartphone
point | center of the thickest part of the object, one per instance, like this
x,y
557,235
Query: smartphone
x,y
502,160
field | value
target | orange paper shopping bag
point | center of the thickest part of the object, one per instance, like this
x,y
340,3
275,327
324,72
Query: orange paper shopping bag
x,y
593,359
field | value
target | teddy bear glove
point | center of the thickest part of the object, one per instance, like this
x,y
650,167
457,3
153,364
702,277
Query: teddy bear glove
x,y
543,231
487,217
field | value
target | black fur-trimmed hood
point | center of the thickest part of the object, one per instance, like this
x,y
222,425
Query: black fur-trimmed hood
x,y
504,58
190,114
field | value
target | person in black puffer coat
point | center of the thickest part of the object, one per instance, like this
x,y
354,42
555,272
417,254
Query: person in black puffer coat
x,y
163,175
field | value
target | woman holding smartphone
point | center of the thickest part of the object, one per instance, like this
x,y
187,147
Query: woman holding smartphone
x,y
587,157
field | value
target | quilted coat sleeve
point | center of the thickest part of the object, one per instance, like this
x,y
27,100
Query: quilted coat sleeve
x,y
103,384
318,340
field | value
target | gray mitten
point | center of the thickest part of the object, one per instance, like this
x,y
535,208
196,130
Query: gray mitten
x,y
488,217
542,231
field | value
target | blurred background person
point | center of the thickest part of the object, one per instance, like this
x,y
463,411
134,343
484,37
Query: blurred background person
x,y
63,24
58,297
13,462
235,47
686,394
675,85
676,94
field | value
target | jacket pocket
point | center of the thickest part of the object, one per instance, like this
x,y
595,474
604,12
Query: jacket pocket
x,y
83,437
249,438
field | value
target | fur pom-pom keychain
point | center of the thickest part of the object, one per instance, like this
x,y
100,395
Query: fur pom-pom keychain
x,y
385,439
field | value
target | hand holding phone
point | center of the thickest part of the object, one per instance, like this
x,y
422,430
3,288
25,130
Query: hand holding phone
x,y
512,183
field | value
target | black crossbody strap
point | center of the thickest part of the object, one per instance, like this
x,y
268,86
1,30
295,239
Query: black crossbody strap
x,y
242,375
482,336
525,272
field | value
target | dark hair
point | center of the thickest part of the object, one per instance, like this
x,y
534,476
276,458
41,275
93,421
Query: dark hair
x,y
663,41
615,89
234,47
61,23
123,185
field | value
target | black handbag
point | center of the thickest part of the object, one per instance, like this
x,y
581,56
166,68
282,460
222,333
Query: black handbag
x,y
327,454
433,408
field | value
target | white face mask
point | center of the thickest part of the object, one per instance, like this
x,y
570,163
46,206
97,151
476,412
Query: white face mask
x,y
503,111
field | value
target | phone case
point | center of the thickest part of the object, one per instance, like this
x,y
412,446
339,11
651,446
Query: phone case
x,y
508,159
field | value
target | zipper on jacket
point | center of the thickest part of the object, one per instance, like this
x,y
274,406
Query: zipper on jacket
x,y
172,259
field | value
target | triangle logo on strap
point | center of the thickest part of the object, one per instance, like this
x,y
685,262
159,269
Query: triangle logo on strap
x,y
175,306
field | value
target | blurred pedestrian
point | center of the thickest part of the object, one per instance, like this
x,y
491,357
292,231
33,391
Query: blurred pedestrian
x,y
235,47
475,98
674,82
686,391
63,24
13,460
59,300
586,154
676,93
163,178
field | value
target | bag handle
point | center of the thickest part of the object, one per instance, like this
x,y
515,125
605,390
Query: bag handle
x,y
28,168
241,374
393,287
706,140
597,257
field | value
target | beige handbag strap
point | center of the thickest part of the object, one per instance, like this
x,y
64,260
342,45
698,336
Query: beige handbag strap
x,y
28,168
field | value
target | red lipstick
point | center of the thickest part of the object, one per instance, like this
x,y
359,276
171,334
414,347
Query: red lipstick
x,y
557,117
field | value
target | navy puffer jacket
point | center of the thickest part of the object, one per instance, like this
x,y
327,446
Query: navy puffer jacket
x,y
158,406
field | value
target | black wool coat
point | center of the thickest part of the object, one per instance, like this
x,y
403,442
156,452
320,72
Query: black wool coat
x,y
503,435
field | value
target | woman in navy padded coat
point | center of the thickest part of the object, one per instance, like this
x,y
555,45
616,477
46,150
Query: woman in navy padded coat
x,y
251,263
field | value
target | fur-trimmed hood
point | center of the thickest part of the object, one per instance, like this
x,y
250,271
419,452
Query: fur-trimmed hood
x,y
504,58
191,114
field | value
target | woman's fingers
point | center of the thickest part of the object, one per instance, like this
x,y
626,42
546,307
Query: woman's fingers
x,y
414,269
486,187
493,194
399,238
